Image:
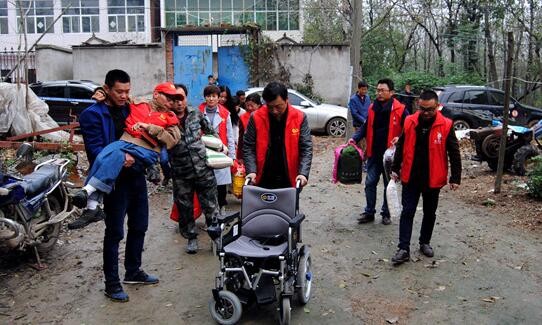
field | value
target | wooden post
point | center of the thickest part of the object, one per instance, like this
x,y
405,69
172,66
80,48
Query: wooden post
x,y
502,146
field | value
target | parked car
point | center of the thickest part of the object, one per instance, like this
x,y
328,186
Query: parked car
x,y
321,117
458,100
65,97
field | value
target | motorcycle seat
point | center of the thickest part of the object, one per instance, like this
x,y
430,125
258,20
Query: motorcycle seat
x,y
40,180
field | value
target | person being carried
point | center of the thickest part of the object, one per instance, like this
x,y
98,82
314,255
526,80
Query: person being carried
x,y
148,127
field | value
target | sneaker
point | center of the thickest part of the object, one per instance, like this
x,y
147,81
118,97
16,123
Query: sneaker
x,y
400,257
426,250
192,246
223,211
87,217
79,199
116,294
366,218
386,220
141,277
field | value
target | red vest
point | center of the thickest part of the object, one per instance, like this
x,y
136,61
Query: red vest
x,y
394,130
438,158
222,127
244,119
143,112
291,140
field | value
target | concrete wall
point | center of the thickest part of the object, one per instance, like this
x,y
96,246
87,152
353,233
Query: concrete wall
x,y
53,63
144,63
328,65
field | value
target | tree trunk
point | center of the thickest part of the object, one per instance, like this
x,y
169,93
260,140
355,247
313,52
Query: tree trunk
x,y
492,75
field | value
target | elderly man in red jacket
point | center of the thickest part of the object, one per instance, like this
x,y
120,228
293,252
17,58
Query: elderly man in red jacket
x,y
277,145
421,160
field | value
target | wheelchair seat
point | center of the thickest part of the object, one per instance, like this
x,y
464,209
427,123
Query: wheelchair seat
x,y
250,247
266,216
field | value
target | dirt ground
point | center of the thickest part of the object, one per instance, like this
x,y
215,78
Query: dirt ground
x,y
486,268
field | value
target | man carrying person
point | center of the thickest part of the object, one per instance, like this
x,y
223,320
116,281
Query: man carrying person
x,y
101,124
277,147
421,160
384,125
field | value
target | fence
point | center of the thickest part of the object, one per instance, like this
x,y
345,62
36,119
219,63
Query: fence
x,y
8,61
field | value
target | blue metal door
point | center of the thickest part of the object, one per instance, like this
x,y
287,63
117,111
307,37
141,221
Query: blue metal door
x,y
232,69
192,65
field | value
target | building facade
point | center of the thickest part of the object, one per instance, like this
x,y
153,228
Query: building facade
x,y
138,20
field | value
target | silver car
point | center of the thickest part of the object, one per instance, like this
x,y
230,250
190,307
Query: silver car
x,y
321,117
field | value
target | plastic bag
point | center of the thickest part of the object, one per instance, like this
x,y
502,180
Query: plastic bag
x,y
387,161
392,196
218,160
347,168
174,215
211,142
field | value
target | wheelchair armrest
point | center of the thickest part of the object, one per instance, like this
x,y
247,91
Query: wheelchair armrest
x,y
295,222
228,217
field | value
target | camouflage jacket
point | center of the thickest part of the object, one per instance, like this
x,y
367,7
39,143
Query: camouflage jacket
x,y
188,156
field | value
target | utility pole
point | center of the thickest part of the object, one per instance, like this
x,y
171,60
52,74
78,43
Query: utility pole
x,y
502,146
355,55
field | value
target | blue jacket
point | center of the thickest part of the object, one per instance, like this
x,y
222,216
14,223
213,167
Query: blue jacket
x,y
97,128
359,109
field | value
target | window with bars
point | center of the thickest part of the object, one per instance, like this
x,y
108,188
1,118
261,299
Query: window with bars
x,y
38,15
270,14
81,17
126,15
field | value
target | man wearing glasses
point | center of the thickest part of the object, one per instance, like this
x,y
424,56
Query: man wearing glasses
x,y
384,125
421,163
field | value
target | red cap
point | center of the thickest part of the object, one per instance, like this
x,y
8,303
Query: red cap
x,y
167,88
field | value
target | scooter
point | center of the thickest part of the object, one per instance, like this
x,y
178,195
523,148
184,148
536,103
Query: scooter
x,y
33,207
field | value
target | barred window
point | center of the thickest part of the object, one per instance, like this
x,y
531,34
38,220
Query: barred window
x,y
269,14
81,17
126,15
38,15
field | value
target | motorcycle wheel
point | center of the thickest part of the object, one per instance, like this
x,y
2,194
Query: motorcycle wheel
x,y
52,232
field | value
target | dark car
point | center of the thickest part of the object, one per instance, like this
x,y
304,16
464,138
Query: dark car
x,y
65,97
459,103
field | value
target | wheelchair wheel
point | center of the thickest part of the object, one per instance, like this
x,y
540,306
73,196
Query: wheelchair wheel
x,y
304,278
230,311
285,311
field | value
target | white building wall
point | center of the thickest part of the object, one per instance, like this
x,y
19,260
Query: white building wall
x,y
58,38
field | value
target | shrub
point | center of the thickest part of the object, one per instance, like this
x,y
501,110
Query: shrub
x,y
534,183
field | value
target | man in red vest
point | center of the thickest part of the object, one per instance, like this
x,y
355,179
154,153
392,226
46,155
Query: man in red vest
x,y
277,145
421,160
384,125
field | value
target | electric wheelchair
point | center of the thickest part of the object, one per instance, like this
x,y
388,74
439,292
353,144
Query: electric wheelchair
x,y
261,259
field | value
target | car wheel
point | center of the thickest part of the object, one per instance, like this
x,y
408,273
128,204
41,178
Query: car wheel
x,y
336,127
460,125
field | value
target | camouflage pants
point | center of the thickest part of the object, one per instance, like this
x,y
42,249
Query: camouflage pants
x,y
183,194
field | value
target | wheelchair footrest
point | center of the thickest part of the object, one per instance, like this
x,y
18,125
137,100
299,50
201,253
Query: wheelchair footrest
x,y
265,292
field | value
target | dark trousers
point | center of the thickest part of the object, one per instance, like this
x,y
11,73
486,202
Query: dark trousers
x,y
410,197
128,198
222,192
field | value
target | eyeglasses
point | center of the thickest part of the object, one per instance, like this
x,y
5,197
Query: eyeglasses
x,y
427,109
173,98
382,90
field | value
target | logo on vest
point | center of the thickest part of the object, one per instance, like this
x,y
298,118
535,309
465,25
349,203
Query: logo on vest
x,y
295,131
438,140
162,117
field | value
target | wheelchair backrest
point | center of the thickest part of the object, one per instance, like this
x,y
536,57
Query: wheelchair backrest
x,y
266,213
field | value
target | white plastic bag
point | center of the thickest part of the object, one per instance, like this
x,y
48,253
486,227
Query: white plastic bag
x,y
211,142
387,161
218,160
392,196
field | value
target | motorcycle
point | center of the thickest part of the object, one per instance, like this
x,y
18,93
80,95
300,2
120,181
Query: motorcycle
x,y
33,207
